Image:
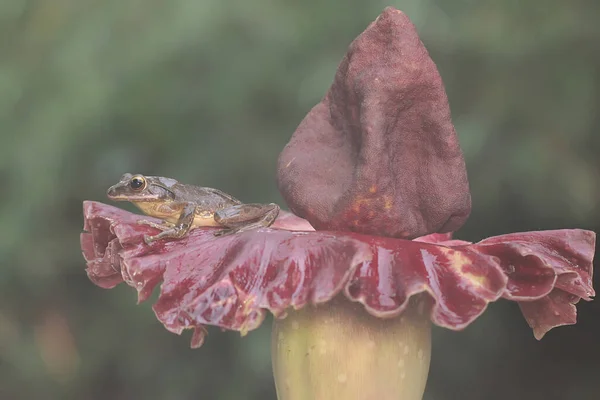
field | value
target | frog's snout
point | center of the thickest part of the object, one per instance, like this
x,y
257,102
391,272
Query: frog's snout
x,y
111,192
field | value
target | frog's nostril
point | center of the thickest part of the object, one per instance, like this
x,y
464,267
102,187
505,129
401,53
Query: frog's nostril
x,y
110,192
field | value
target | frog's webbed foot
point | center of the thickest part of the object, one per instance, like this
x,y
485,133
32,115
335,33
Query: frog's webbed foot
x,y
170,230
177,232
164,227
173,232
161,226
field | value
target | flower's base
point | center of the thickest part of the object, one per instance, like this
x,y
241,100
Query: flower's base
x,y
338,351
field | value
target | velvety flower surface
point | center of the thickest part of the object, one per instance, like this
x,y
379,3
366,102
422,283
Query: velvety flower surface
x,y
379,154
232,281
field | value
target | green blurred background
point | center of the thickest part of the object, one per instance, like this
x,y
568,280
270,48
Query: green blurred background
x,y
208,92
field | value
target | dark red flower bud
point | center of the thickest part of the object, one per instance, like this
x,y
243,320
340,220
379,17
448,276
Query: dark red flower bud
x,y
379,155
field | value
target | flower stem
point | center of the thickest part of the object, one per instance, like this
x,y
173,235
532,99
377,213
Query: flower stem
x,y
337,351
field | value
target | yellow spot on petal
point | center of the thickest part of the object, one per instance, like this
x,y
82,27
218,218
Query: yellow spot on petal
x,y
360,203
406,349
461,263
342,378
401,363
387,202
373,189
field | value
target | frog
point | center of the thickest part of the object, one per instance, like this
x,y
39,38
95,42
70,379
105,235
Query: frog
x,y
183,207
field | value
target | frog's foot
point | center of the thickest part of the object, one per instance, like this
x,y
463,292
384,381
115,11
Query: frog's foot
x,y
162,226
174,232
149,239
224,232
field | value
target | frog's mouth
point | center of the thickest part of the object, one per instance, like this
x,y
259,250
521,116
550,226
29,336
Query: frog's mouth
x,y
113,194
131,199
121,198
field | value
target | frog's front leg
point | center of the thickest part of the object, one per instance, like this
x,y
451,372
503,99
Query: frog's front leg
x,y
244,217
178,230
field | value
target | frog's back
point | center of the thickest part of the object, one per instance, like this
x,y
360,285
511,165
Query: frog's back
x,y
207,199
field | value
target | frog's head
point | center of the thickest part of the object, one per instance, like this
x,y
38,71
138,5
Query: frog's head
x,y
140,188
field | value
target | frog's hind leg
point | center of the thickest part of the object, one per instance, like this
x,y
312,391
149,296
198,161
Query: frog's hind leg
x,y
245,217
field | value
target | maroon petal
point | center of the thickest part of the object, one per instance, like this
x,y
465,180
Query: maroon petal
x,y
232,281
555,309
553,266
379,155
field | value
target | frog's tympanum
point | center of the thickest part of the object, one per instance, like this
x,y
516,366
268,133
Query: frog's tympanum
x,y
184,207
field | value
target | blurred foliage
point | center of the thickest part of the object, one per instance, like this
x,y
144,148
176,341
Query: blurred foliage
x,y
208,92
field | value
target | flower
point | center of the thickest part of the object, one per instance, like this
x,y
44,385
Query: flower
x,y
377,169
379,154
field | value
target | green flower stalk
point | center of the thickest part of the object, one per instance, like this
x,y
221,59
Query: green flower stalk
x,y
339,351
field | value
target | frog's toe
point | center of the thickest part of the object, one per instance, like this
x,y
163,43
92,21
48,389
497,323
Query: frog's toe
x,y
224,232
160,226
149,239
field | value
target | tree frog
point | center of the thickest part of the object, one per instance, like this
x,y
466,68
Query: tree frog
x,y
184,207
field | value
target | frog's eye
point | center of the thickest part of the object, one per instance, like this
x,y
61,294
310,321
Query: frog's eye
x,y
137,182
